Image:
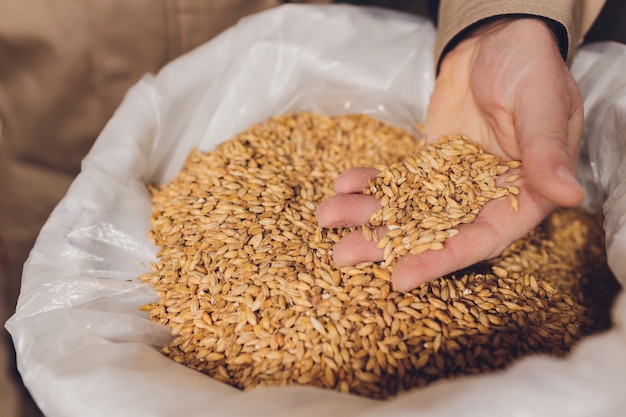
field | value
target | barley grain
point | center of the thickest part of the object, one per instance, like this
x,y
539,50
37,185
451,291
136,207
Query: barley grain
x,y
246,282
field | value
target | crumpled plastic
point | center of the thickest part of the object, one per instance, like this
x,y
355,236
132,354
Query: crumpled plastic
x,y
85,349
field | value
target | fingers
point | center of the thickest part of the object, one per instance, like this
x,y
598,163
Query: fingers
x,y
346,210
354,180
494,228
349,207
353,248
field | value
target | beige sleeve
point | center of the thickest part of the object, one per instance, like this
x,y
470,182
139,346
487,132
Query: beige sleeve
x,y
571,19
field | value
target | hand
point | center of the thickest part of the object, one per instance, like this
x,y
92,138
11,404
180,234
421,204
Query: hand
x,y
506,87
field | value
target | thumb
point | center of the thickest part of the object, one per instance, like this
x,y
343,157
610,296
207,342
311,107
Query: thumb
x,y
549,133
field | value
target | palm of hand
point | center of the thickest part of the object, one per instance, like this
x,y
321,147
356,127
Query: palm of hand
x,y
507,88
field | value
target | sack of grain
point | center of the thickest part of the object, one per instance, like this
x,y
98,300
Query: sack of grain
x,y
85,348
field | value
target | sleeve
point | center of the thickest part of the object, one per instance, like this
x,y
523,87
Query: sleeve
x,y
568,19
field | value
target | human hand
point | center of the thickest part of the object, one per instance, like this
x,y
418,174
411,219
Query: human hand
x,y
506,87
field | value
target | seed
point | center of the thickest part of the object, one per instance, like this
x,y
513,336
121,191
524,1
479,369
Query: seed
x,y
246,282
499,271
513,190
317,325
513,203
368,233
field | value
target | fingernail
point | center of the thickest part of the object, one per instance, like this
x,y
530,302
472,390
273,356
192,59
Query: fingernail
x,y
401,285
567,175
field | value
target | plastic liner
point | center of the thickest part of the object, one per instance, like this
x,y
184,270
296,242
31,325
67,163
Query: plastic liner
x,y
85,349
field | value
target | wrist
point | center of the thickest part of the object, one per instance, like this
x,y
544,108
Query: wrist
x,y
534,24
515,29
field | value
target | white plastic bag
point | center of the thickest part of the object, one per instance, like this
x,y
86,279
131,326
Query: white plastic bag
x,y
85,349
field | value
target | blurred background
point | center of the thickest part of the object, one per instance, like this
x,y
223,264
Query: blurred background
x,y
8,390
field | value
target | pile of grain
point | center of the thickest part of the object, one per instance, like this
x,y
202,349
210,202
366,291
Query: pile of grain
x,y
246,281
425,196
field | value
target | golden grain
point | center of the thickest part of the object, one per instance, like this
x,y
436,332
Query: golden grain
x,y
246,282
